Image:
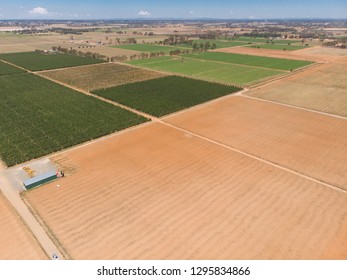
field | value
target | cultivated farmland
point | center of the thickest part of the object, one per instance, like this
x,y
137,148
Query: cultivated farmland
x,y
322,88
165,95
250,60
149,48
101,76
39,117
6,69
208,70
307,142
36,61
16,241
166,194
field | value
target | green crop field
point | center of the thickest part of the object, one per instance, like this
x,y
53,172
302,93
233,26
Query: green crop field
x,y
6,69
149,48
36,61
165,95
208,70
38,117
279,47
251,60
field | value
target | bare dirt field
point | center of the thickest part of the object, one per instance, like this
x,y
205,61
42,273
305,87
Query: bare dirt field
x,y
159,193
322,88
105,75
16,242
310,143
317,54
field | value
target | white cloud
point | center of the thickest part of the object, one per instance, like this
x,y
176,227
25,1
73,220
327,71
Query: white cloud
x,y
39,11
192,12
231,12
143,13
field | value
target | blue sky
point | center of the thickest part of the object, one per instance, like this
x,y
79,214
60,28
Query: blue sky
x,y
190,9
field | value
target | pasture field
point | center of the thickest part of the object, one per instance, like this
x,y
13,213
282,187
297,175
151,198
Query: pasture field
x,y
16,241
310,143
166,194
6,69
165,95
36,61
208,70
251,60
279,47
321,88
40,117
150,48
98,76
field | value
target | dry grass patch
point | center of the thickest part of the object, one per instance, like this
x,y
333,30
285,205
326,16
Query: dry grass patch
x,y
102,76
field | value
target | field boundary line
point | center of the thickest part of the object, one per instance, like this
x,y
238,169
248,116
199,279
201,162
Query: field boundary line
x,y
64,68
14,211
20,67
321,182
244,65
46,228
287,75
209,102
294,106
147,116
183,75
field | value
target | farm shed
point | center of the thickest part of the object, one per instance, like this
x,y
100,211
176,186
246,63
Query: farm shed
x,y
39,180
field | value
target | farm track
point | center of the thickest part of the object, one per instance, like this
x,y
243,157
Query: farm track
x,y
41,235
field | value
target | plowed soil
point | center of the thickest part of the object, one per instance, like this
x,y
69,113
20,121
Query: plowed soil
x,y
159,193
16,242
310,143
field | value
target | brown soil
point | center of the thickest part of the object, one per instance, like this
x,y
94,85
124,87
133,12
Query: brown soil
x,y
159,193
16,242
310,143
321,88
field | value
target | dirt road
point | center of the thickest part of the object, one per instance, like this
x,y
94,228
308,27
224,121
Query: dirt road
x,y
14,198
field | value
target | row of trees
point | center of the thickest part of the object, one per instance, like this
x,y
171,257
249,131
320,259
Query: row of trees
x,y
80,53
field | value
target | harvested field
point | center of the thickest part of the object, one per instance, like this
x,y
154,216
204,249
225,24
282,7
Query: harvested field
x,y
208,70
322,88
251,60
165,95
16,241
309,143
101,76
39,117
6,69
176,196
35,61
